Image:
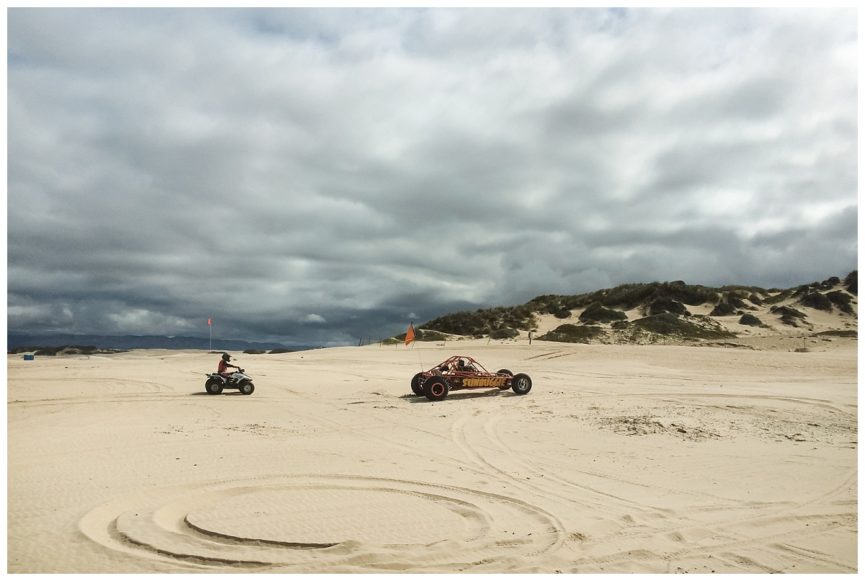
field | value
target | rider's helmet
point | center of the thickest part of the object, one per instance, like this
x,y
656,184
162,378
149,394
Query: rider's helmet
x,y
226,357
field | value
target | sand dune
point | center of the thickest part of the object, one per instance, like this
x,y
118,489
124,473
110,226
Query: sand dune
x,y
621,459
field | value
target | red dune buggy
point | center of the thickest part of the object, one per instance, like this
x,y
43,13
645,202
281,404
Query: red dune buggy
x,y
463,372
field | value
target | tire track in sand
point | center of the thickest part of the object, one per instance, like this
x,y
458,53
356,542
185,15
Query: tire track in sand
x,y
324,522
480,450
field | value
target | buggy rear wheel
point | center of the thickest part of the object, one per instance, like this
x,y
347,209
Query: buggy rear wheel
x,y
506,372
522,384
435,388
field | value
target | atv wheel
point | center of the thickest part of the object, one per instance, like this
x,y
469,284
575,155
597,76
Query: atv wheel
x,y
435,388
247,388
213,387
416,384
522,384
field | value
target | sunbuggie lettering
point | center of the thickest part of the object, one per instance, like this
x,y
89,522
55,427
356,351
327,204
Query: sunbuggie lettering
x,y
484,382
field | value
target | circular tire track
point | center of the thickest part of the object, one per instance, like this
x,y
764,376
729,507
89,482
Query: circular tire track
x,y
324,522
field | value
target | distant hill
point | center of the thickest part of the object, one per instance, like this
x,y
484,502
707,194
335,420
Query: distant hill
x,y
640,312
18,340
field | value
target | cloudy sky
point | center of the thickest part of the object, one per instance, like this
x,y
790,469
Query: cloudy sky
x,y
318,176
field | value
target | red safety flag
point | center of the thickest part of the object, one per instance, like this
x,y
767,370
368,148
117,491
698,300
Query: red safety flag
x,y
209,322
409,335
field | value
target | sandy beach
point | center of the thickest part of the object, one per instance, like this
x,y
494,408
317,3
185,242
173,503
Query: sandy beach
x,y
650,459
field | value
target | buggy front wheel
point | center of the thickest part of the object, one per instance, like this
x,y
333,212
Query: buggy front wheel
x,y
435,388
522,384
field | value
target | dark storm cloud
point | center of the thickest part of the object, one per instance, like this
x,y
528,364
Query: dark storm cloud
x,y
323,176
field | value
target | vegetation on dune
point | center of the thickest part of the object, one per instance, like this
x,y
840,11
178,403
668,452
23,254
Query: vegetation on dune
x,y
504,333
778,297
755,299
750,320
851,282
628,296
789,315
816,300
663,303
671,325
482,322
723,309
597,313
842,300
569,333
666,305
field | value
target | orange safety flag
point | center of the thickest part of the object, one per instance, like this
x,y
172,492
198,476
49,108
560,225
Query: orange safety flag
x,y
409,335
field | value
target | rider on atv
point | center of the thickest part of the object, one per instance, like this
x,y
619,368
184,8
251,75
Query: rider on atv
x,y
224,365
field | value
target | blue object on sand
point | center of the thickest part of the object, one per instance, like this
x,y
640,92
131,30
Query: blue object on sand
x,y
29,357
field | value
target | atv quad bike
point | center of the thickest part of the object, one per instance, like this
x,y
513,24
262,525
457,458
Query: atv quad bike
x,y
238,380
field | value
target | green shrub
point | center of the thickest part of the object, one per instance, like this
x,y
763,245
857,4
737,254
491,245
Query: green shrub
x,y
723,309
667,305
830,283
756,300
789,315
781,296
817,301
851,282
750,320
562,313
671,325
842,300
479,322
569,333
504,333
597,313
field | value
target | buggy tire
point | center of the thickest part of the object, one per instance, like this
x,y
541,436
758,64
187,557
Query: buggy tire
x,y
522,384
213,387
416,382
247,388
506,372
435,388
